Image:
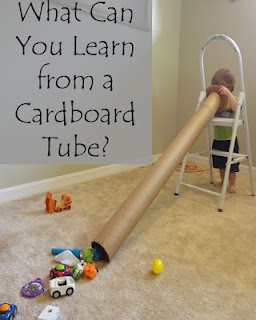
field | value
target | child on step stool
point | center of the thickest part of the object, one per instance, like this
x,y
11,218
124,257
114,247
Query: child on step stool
x,y
222,135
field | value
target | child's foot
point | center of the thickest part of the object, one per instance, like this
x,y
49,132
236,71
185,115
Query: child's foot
x,y
219,184
232,189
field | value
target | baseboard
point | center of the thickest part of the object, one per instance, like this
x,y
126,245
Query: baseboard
x,y
33,188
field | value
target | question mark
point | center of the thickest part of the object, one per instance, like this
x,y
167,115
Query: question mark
x,y
105,146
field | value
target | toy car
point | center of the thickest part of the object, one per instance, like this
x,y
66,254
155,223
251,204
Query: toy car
x,y
60,271
8,311
62,286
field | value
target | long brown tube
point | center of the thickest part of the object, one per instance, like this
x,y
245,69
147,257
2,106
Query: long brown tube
x,y
120,225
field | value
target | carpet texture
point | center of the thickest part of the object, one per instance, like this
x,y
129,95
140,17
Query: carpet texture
x,y
209,257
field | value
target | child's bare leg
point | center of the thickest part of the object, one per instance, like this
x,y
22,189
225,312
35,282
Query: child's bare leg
x,y
222,174
232,182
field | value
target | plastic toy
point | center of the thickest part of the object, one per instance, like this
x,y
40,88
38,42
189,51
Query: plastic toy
x,y
49,313
60,271
52,206
98,253
90,271
77,270
157,266
86,254
33,288
66,257
62,286
76,252
8,311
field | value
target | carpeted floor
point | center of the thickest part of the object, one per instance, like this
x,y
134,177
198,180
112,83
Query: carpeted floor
x,y
209,257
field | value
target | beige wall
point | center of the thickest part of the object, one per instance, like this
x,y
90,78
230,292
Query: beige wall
x,y
12,175
165,83
165,71
199,20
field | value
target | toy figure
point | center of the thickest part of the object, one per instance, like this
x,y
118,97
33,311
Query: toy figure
x,y
77,270
90,271
51,205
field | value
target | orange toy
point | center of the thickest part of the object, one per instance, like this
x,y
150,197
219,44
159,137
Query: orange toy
x,y
90,271
52,206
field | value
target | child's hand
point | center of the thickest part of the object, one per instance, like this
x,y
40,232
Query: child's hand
x,y
223,91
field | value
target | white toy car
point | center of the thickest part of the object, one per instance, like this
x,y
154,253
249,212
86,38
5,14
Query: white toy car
x,y
62,286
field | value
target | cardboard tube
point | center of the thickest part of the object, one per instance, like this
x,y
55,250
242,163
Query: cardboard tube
x,y
119,226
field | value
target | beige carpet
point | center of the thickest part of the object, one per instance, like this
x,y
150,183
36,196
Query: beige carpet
x,y
209,257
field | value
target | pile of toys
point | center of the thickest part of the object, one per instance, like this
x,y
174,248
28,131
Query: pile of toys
x,y
69,269
72,265
63,276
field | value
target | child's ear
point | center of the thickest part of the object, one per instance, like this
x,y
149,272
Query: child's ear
x,y
231,87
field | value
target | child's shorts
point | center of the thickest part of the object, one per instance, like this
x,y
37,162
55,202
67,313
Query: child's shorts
x,y
220,162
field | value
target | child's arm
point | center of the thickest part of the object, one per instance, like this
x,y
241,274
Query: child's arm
x,y
225,91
